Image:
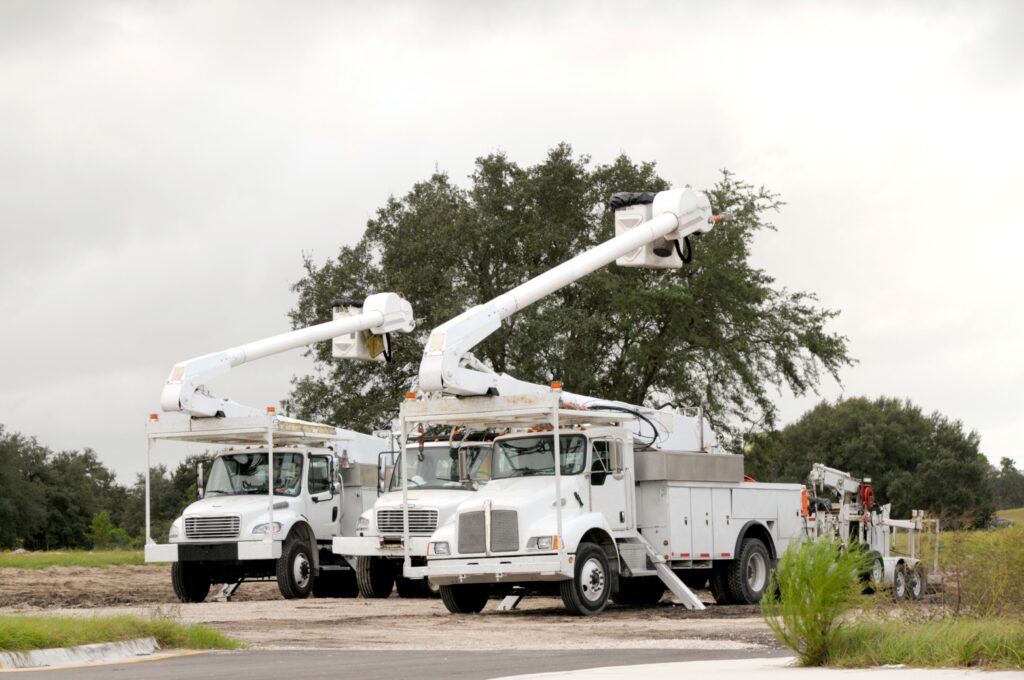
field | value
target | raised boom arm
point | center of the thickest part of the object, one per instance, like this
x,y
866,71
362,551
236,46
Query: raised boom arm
x,y
185,388
447,364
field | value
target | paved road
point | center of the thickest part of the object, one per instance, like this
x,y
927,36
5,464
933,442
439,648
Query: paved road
x,y
370,665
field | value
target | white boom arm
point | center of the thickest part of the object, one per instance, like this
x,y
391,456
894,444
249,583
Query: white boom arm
x,y
185,388
447,365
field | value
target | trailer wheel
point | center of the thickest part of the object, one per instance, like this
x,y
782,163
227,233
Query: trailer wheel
x,y
874,578
915,582
587,592
336,584
748,575
295,569
191,582
465,598
376,576
639,590
900,586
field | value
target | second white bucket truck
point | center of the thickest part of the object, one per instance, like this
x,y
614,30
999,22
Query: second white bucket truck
x,y
280,489
638,500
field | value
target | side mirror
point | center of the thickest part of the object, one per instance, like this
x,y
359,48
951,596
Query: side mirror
x,y
332,475
383,463
200,490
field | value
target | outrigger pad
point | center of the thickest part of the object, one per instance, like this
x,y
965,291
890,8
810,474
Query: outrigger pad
x,y
624,199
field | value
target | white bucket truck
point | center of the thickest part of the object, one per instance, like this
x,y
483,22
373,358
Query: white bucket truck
x,y
639,500
283,488
442,473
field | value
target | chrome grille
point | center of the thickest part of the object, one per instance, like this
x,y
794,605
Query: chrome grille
x,y
422,522
471,532
212,527
504,531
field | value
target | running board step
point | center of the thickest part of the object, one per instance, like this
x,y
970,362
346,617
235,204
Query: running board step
x,y
669,578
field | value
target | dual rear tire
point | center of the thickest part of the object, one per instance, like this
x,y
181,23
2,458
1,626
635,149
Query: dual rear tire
x,y
745,579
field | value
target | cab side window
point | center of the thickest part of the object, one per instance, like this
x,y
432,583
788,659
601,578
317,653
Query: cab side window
x,y
600,462
319,480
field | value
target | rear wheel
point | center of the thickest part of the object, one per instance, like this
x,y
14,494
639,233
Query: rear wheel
x,y
900,582
915,582
465,598
747,576
336,583
376,576
639,590
191,582
588,591
295,569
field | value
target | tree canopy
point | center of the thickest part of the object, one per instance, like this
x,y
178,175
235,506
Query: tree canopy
x,y
718,333
915,461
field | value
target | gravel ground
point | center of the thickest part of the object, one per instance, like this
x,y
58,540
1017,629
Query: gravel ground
x,y
261,618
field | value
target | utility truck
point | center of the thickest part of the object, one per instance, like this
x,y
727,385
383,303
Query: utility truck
x,y
442,472
590,498
279,489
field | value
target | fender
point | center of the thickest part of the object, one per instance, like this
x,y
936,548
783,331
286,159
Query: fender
x,y
766,537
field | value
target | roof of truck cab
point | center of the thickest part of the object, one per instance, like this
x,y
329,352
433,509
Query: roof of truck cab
x,y
247,430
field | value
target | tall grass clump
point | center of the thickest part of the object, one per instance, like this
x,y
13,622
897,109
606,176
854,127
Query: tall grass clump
x,y
985,571
816,585
22,632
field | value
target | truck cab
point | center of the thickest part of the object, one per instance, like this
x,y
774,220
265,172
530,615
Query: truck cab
x,y
441,474
269,510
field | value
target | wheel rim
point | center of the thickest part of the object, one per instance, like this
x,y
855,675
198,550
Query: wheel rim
x,y
901,583
757,572
877,572
592,580
915,584
301,570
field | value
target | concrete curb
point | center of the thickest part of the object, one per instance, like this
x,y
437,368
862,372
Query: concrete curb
x,y
82,654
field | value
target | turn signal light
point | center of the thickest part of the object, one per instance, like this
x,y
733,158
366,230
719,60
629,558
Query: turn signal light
x,y
410,395
154,416
271,410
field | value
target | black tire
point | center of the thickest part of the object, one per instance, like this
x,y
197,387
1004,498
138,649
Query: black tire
x,y
295,569
465,598
587,593
719,585
375,576
874,577
747,577
915,582
639,590
191,582
900,583
412,588
336,584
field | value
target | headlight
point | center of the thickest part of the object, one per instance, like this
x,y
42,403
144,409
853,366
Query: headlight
x,y
173,533
275,527
542,543
440,548
362,524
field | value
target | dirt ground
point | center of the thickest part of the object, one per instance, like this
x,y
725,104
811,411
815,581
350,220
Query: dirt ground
x,y
257,615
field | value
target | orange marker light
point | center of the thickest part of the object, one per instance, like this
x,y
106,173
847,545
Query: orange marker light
x,y
556,385
271,410
154,416
410,395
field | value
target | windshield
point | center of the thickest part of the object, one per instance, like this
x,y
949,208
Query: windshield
x,y
246,473
437,467
525,456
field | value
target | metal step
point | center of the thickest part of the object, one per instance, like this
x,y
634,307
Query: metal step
x,y
669,578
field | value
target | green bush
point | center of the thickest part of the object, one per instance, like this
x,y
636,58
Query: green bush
x,y
104,535
817,584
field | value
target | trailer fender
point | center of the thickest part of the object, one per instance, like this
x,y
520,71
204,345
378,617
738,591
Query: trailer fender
x,y
755,529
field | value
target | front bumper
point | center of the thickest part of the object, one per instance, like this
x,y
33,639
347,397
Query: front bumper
x,y
212,552
450,571
374,546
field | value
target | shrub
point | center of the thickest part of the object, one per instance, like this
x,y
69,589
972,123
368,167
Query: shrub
x,y
816,585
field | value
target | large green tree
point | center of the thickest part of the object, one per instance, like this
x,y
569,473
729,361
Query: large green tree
x,y
915,460
720,332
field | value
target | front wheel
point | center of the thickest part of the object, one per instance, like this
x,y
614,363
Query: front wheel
x,y
588,591
191,582
468,598
295,570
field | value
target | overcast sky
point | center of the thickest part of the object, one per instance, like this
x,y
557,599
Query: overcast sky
x,y
163,166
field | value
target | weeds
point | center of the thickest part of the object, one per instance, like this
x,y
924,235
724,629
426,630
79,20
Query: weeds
x,y
19,633
816,585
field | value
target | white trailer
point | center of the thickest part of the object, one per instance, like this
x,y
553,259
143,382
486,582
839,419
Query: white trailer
x,y
284,488
278,492
442,473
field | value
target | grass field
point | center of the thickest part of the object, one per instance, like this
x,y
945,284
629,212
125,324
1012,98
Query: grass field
x,y
69,558
976,643
20,633
1016,515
